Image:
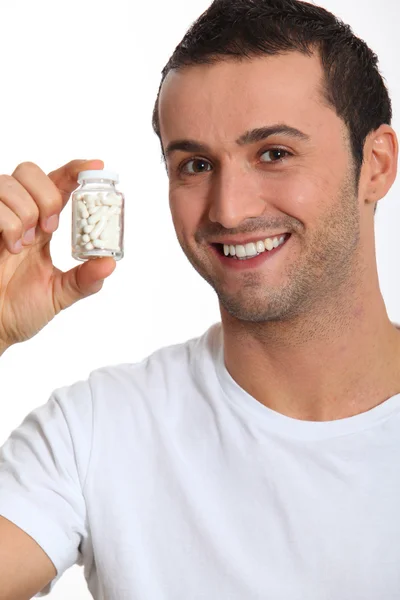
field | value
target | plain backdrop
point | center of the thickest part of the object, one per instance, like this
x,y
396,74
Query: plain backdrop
x,y
79,80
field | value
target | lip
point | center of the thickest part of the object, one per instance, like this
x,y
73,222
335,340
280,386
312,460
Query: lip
x,y
252,263
243,241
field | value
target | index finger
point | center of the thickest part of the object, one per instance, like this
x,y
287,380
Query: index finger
x,y
66,177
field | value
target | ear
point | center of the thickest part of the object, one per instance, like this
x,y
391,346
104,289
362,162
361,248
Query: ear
x,y
381,152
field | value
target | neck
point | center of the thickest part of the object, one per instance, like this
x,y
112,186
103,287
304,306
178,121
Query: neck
x,y
335,363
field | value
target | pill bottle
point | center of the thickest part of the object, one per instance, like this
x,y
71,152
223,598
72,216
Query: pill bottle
x,y
97,216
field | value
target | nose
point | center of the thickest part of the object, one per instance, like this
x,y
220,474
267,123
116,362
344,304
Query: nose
x,y
234,197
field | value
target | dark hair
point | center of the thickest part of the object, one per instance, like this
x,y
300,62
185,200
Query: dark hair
x,y
242,29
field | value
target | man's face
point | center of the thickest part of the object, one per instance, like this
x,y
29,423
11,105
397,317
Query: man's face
x,y
232,185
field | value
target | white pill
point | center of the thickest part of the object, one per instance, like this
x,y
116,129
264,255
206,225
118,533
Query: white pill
x,y
110,228
90,200
93,209
89,246
85,238
113,210
99,244
83,211
111,244
95,234
95,218
82,223
112,199
102,196
88,228
80,196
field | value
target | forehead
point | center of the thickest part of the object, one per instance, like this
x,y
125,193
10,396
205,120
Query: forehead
x,y
229,97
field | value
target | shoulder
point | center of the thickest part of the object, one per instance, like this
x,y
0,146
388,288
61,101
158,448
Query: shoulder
x,y
161,373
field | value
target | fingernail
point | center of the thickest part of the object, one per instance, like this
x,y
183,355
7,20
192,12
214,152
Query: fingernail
x,y
29,236
52,223
17,246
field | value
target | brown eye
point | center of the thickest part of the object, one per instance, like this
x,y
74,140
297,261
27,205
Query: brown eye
x,y
196,166
274,151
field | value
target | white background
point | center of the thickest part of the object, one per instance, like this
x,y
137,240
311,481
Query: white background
x,y
79,80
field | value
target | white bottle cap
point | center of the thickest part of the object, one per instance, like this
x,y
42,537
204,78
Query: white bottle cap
x,y
99,174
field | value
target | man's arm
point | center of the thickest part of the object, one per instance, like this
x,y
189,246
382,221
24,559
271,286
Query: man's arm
x,y
25,569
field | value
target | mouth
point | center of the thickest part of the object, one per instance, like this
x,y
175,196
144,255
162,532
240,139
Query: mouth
x,y
244,261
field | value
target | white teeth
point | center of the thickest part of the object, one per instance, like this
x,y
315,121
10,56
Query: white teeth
x,y
260,247
252,249
269,244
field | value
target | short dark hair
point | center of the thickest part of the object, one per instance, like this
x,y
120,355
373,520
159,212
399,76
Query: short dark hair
x,y
243,29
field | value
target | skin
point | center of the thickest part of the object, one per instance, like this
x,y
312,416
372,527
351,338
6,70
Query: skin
x,y
306,333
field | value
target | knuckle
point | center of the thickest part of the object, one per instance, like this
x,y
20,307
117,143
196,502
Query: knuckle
x,y
6,181
14,227
24,166
30,215
55,203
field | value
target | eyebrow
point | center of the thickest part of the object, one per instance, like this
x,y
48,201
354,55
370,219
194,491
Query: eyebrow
x,y
250,137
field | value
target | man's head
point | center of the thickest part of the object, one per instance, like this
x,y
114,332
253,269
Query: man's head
x,y
249,65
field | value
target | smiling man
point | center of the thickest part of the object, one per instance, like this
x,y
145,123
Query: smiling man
x,y
272,209
260,460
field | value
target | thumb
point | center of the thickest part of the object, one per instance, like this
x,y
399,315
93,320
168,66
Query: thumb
x,y
81,281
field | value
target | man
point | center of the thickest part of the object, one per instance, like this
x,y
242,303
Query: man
x,y
260,460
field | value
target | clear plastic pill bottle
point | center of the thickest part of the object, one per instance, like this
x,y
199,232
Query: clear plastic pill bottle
x,y
97,216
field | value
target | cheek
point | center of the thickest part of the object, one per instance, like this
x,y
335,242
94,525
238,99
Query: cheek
x,y
302,196
186,212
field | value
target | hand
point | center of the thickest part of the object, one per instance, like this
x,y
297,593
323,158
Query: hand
x,y
32,289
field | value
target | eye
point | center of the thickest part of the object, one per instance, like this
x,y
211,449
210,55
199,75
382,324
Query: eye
x,y
196,166
274,151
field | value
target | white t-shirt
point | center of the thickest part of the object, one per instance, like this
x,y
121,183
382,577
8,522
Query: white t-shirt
x,y
167,481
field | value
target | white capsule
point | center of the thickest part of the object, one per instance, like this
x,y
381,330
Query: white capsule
x,y
112,199
88,228
83,211
97,230
82,223
111,228
86,238
80,196
102,196
93,209
90,200
89,246
95,218
113,210
99,244
112,245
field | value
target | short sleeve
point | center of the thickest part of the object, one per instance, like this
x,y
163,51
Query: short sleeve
x,y
43,466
